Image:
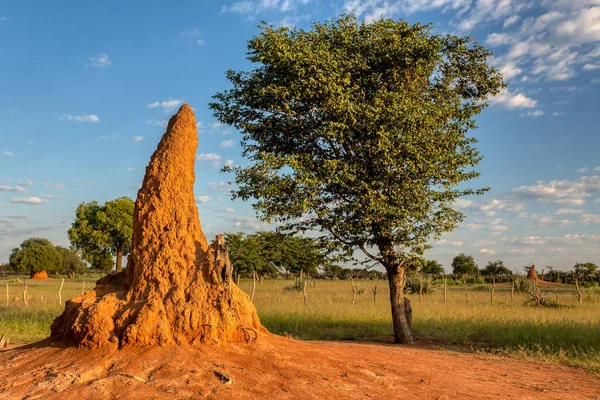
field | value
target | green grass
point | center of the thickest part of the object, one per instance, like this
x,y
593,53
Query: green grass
x,y
568,335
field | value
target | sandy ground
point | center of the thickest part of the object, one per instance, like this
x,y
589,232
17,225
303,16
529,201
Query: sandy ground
x,y
282,368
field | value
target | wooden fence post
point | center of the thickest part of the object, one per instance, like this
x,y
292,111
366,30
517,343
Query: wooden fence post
x,y
512,293
253,285
6,294
60,290
375,292
578,291
493,289
445,290
466,292
25,293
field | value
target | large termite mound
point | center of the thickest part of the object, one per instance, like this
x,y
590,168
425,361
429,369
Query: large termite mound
x,y
176,288
39,275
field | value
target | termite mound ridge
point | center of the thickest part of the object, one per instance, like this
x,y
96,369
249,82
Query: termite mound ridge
x,y
39,275
532,274
176,288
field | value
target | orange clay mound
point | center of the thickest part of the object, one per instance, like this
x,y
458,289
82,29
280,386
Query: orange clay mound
x,y
39,275
176,288
532,274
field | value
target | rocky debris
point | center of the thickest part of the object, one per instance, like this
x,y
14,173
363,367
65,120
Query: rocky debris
x,y
39,275
176,288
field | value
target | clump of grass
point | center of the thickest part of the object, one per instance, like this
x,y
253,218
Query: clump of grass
x,y
297,286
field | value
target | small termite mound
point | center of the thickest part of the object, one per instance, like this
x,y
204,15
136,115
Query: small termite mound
x,y
39,275
176,288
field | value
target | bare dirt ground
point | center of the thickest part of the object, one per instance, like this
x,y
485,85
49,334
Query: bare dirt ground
x,y
281,368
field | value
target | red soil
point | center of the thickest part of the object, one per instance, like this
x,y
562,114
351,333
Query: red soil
x,y
280,368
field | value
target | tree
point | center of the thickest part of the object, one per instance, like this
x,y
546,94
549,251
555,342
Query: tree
x,y
431,267
358,130
71,262
464,264
585,270
100,231
34,255
496,268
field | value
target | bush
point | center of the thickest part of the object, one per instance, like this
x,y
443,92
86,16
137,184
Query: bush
x,y
297,286
413,284
522,285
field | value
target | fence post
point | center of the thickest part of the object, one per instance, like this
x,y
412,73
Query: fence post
x,y
60,290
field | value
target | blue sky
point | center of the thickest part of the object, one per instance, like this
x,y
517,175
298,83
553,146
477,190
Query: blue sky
x,y
87,88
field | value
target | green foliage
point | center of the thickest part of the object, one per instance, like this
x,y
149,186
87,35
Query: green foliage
x,y
267,252
35,254
464,264
414,282
522,284
431,267
297,286
585,270
359,130
71,262
496,268
100,231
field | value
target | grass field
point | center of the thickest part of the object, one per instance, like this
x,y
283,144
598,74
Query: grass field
x,y
567,335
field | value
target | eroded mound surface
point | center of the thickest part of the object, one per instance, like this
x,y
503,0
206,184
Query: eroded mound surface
x,y
175,288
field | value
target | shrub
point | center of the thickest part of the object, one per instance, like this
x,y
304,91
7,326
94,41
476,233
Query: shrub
x,y
413,284
297,286
522,285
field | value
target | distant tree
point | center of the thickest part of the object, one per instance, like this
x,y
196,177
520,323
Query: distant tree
x,y
359,131
102,230
34,255
464,264
496,268
431,267
71,262
585,270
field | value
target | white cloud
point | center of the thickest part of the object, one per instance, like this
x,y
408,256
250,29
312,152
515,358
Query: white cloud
x,y
220,186
162,123
512,100
138,138
582,170
498,39
590,218
226,143
28,200
166,105
100,61
193,36
8,153
488,251
55,185
80,118
84,182
558,113
561,192
226,210
532,114
130,169
522,252
202,199
28,182
499,228
568,211
51,196
510,21
228,163
208,157
4,188
252,8
200,126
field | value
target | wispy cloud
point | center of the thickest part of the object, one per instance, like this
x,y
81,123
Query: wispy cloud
x,y
193,36
28,200
226,143
202,199
84,182
158,122
208,157
6,153
512,100
138,138
79,118
4,188
99,61
28,182
55,185
166,105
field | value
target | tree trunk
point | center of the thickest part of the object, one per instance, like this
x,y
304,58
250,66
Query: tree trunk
x,y
401,310
119,261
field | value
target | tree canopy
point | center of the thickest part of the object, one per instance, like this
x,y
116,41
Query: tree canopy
x,y
71,262
359,131
464,264
34,255
103,231
496,268
431,267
